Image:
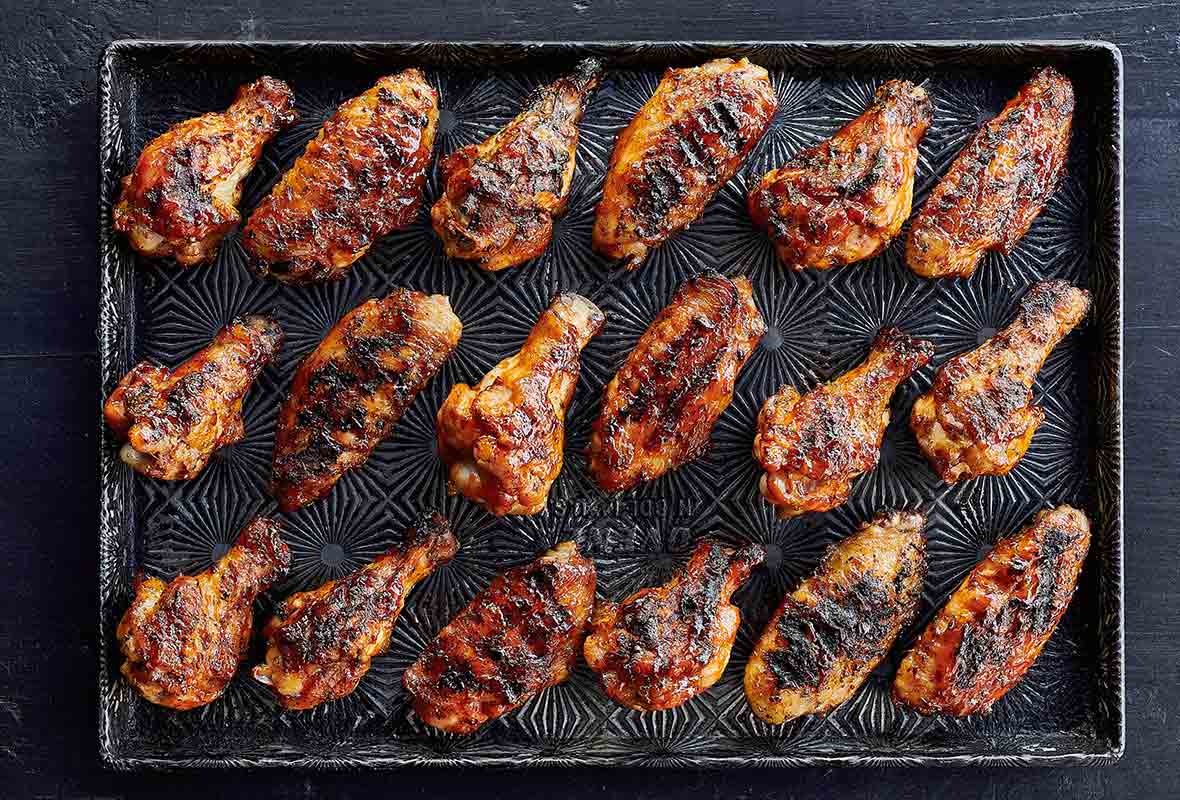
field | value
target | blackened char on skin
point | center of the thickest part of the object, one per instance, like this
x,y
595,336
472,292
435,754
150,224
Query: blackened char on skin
x,y
518,636
665,644
351,391
995,624
321,641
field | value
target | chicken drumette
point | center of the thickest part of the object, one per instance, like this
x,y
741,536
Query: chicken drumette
x,y
182,197
520,635
321,642
659,410
996,623
998,184
686,142
183,640
813,447
359,179
351,391
502,441
500,197
831,632
663,646
174,420
844,199
978,417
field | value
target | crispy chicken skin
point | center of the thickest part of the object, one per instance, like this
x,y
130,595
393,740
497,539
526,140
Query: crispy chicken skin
x,y
182,197
831,632
321,642
183,640
659,409
359,179
350,392
665,645
503,440
813,447
519,636
174,420
978,417
998,184
844,199
686,142
500,197
996,623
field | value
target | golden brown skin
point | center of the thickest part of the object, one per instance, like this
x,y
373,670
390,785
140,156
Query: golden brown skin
x,y
348,395
503,440
183,640
831,632
517,637
665,645
998,184
844,199
996,623
174,420
359,179
978,417
320,643
182,197
686,142
813,447
500,196
659,409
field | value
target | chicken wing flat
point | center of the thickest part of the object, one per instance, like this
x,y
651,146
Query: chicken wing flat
x,y
831,632
996,623
359,179
520,635
999,183
813,447
978,417
500,197
182,197
351,391
503,440
686,142
183,640
659,409
844,199
665,645
321,642
174,420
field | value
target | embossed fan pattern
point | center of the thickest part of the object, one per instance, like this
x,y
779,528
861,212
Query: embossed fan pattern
x,y
819,324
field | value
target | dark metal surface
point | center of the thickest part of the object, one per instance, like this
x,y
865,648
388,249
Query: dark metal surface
x,y
1069,709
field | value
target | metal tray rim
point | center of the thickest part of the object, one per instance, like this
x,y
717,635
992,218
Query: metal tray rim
x,y
107,334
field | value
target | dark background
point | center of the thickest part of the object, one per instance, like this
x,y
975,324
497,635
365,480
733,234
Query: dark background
x,y
49,394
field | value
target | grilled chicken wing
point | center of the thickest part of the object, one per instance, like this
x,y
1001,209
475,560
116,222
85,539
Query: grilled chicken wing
x,y
686,142
359,179
351,391
500,197
658,411
182,197
502,441
517,637
996,623
844,199
813,447
978,417
174,420
665,645
321,642
183,640
998,184
831,632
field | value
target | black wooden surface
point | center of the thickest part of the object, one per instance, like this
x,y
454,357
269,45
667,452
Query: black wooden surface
x,y
49,377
